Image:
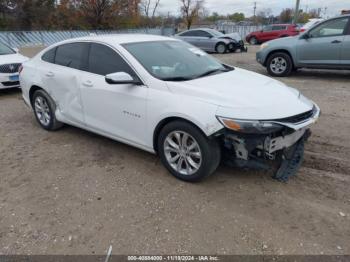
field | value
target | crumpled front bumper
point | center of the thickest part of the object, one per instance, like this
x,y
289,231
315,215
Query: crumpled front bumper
x,y
238,46
284,150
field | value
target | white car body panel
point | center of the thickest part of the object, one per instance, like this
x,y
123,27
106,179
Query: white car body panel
x,y
130,113
10,59
246,95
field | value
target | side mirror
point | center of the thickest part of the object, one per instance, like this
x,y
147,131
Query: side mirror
x,y
306,36
121,78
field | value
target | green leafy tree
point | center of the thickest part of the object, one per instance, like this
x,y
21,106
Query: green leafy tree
x,y
237,17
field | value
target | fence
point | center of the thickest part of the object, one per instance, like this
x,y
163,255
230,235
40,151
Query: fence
x,y
242,30
34,38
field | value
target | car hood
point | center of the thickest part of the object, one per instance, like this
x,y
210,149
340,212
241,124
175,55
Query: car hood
x,y
245,95
234,36
284,41
12,59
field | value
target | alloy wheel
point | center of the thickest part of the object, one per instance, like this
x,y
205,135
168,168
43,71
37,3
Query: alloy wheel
x,y
221,48
182,152
278,65
42,110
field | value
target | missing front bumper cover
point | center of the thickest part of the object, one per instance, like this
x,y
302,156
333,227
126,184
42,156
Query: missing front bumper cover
x,y
265,152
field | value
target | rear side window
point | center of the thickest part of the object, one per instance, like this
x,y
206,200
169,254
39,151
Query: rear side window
x,y
72,55
49,56
103,61
267,28
279,27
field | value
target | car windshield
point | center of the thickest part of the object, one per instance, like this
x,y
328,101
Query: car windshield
x,y
5,50
174,60
215,33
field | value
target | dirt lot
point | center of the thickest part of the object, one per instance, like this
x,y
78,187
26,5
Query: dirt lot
x,y
73,192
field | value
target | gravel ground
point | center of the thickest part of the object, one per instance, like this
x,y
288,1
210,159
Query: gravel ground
x,y
73,192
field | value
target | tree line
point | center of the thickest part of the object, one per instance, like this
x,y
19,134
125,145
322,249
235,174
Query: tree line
x,y
117,14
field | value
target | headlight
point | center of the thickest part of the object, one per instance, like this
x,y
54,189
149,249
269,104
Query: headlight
x,y
249,127
263,46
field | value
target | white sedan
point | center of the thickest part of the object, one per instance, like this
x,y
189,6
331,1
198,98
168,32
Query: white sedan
x,y
10,62
168,97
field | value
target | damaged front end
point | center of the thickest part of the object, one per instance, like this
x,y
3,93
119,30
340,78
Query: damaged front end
x,y
268,143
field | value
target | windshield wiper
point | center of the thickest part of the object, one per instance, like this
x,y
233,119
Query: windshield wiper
x,y
210,72
177,78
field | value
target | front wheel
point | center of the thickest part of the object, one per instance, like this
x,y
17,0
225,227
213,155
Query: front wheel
x,y
279,64
221,48
187,153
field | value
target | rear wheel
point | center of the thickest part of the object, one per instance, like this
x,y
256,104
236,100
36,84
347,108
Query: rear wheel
x,y
44,110
253,40
187,153
279,64
221,48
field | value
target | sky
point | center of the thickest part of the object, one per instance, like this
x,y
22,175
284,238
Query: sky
x,y
246,6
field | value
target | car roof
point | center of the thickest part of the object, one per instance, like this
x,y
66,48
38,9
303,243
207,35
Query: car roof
x,y
282,24
120,38
200,28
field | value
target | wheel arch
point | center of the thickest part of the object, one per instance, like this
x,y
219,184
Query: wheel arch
x,y
32,90
166,121
279,51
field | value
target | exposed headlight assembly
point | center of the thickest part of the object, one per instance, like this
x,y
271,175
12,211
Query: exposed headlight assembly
x,y
249,126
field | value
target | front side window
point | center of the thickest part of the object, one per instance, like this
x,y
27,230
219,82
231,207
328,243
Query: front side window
x,y
174,60
203,34
103,61
72,55
5,50
188,33
331,28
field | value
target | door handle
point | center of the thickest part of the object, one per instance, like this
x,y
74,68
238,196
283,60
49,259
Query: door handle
x,y
87,83
336,42
50,74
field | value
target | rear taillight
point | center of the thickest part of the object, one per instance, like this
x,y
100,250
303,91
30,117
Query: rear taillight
x,y
302,30
20,69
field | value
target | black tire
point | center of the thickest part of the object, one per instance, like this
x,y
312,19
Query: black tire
x,y
253,40
209,149
286,60
53,123
221,48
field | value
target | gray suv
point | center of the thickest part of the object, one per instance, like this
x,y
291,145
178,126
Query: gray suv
x,y
324,46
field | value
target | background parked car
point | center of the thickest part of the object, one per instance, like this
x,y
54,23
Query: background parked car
x,y
271,32
327,46
10,62
312,22
211,40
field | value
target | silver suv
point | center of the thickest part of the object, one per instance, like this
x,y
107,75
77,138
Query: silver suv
x,y
324,46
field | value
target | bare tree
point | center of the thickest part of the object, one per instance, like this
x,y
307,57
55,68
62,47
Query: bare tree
x,y
148,8
95,12
190,10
